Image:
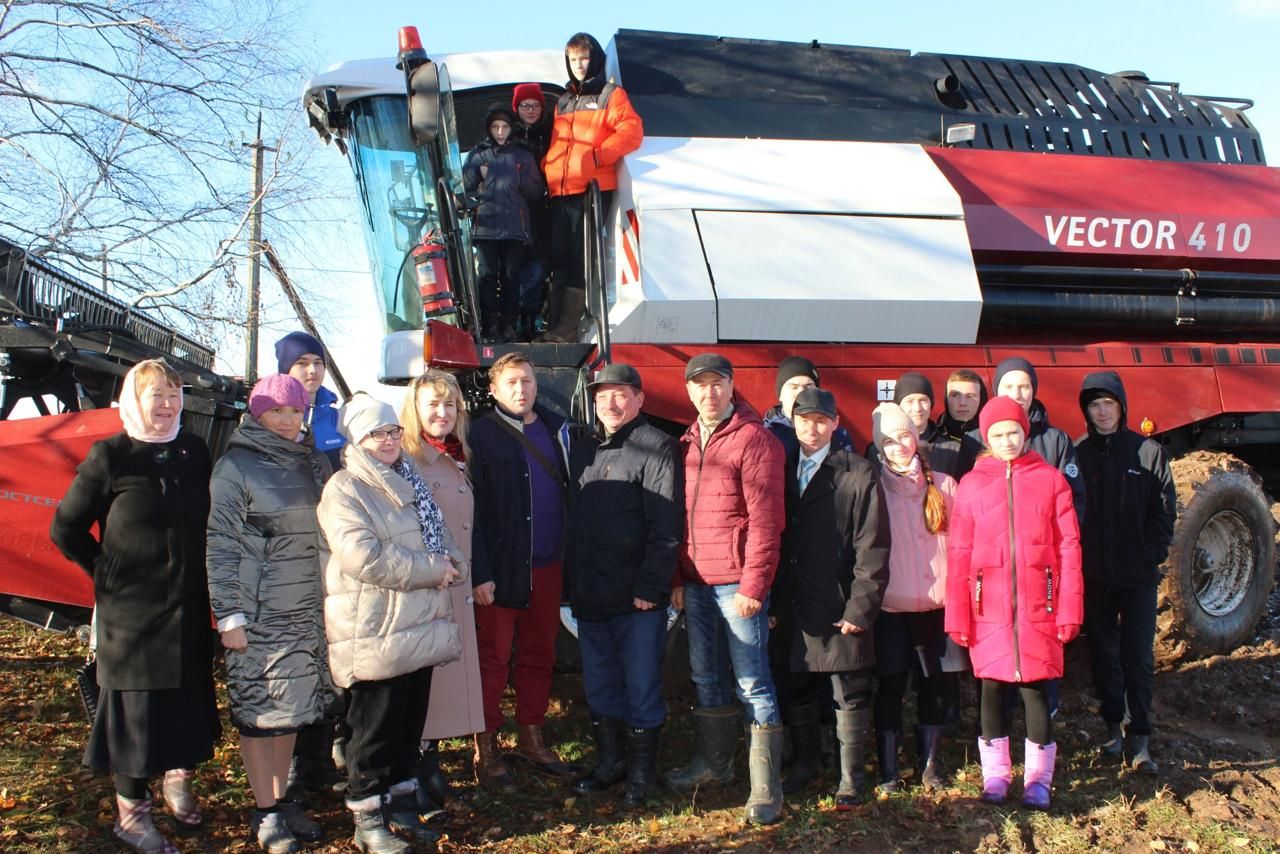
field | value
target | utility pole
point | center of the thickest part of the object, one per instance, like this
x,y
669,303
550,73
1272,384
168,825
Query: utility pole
x,y
255,258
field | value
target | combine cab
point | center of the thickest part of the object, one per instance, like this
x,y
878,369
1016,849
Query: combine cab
x,y
880,211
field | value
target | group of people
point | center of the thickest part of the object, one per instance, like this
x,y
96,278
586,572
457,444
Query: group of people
x,y
528,178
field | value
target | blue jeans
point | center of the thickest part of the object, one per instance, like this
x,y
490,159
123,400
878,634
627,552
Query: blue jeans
x,y
622,667
729,654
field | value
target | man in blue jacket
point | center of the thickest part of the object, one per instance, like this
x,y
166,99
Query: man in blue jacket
x,y
302,357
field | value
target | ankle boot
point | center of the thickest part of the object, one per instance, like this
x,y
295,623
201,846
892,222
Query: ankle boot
x,y
806,746
531,748
887,756
372,834
402,813
566,328
642,765
764,763
180,800
929,766
1113,745
716,737
300,824
491,769
136,831
1037,777
997,769
1140,750
272,832
433,788
611,760
851,731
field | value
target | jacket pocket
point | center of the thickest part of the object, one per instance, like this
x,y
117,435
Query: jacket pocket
x,y
1041,576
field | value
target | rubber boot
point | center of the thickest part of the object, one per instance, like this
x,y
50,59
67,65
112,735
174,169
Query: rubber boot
x,y
851,732
531,748
887,756
1113,746
135,830
997,769
372,834
180,800
764,763
611,759
830,750
300,824
1140,751
1037,777
566,328
272,832
491,770
642,765
806,745
928,765
716,737
433,788
402,813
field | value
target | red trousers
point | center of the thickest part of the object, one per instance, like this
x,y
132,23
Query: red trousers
x,y
532,632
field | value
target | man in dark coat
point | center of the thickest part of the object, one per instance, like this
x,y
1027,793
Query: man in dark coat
x,y
836,542
626,514
1128,526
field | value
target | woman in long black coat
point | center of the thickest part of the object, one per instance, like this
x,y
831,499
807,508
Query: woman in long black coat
x,y
147,490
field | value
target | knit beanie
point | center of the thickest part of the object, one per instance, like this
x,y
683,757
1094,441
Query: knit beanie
x,y
527,92
912,383
1002,409
1015,363
276,390
795,366
362,414
498,110
888,420
293,347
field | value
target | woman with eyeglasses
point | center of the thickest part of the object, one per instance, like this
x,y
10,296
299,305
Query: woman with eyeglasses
x,y
389,561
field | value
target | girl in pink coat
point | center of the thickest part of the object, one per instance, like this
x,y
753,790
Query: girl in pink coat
x,y
1015,594
908,633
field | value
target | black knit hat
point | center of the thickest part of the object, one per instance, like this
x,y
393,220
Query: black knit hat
x,y
912,382
498,110
794,366
1015,363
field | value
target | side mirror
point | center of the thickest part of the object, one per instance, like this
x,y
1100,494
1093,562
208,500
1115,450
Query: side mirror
x,y
422,84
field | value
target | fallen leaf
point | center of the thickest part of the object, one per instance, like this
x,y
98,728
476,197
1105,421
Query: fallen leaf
x,y
1157,845
654,826
1191,845
1240,842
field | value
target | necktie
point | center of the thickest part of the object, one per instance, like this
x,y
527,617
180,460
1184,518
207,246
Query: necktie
x,y
807,468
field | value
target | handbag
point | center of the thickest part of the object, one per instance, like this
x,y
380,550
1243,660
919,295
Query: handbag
x,y
87,681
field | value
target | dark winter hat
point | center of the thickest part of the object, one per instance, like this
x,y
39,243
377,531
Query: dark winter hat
x,y
293,347
704,362
527,92
1002,409
617,374
912,382
1016,363
814,399
276,390
1103,384
794,366
499,110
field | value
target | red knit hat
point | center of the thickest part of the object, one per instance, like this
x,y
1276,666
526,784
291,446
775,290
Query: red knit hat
x,y
525,92
1002,409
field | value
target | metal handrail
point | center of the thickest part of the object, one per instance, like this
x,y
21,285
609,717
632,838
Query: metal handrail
x,y
597,294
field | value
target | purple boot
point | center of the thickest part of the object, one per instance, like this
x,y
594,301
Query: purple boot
x,y
1038,775
997,769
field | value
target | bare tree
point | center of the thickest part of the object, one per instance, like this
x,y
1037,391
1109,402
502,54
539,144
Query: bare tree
x,y
121,131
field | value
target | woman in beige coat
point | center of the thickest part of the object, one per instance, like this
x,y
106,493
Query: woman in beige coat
x,y
434,416
389,561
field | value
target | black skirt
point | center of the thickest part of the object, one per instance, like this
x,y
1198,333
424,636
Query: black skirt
x,y
910,640
144,733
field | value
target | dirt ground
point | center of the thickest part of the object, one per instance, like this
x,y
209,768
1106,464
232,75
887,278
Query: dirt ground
x,y
1219,788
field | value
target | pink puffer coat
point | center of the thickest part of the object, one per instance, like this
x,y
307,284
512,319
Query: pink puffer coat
x,y
917,559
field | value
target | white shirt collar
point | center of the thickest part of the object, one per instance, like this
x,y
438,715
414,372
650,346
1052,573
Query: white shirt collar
x,y
817,458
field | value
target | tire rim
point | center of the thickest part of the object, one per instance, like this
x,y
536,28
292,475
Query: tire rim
x,y
1224,563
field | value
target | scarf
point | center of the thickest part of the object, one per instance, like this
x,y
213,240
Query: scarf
x,y
429,515
450,446
131,414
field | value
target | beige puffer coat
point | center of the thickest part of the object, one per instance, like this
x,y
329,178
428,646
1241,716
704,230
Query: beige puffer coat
x,y
383,613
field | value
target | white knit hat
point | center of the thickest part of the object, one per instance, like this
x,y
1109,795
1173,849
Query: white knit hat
x,y
362,414
888,420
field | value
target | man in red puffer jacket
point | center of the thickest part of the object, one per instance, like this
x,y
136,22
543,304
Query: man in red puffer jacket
x,y
734,516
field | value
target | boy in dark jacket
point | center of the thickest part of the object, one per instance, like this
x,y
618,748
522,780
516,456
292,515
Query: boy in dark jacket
x,y
832,577
626,515
1128,526
505,179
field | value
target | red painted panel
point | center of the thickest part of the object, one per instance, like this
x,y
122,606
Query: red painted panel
x,y
1095,211
1248,388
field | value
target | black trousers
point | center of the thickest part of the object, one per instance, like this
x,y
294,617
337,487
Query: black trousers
x,y
568,269
386,719
849,689
1121,627
1035,702
499,265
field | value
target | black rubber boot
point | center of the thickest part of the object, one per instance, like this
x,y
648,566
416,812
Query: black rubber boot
x,y
574,300
433,788
642,765
372,834
403,818
887,754
1113,746
851,732
806,746
717,737
928,765
764,762
611,760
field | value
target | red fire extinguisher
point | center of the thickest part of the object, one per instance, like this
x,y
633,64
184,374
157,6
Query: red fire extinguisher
x,y
433,280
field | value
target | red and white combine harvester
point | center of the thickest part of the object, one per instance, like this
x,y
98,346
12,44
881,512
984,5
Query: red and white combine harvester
x,y
879,211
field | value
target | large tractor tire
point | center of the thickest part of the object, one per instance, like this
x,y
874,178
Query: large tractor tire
x,y
1221,565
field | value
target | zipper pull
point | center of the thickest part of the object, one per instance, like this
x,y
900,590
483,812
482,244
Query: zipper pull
x,y
1008,471
1048,582
977,593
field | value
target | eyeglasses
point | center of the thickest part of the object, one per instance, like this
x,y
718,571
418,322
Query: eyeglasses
x,y
393,434
529,105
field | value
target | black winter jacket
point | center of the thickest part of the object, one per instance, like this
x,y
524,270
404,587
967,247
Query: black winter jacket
x,y
626,511
1132,501
835,564
502,549
514,182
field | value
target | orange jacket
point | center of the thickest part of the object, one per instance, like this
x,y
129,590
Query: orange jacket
x,y
592,132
